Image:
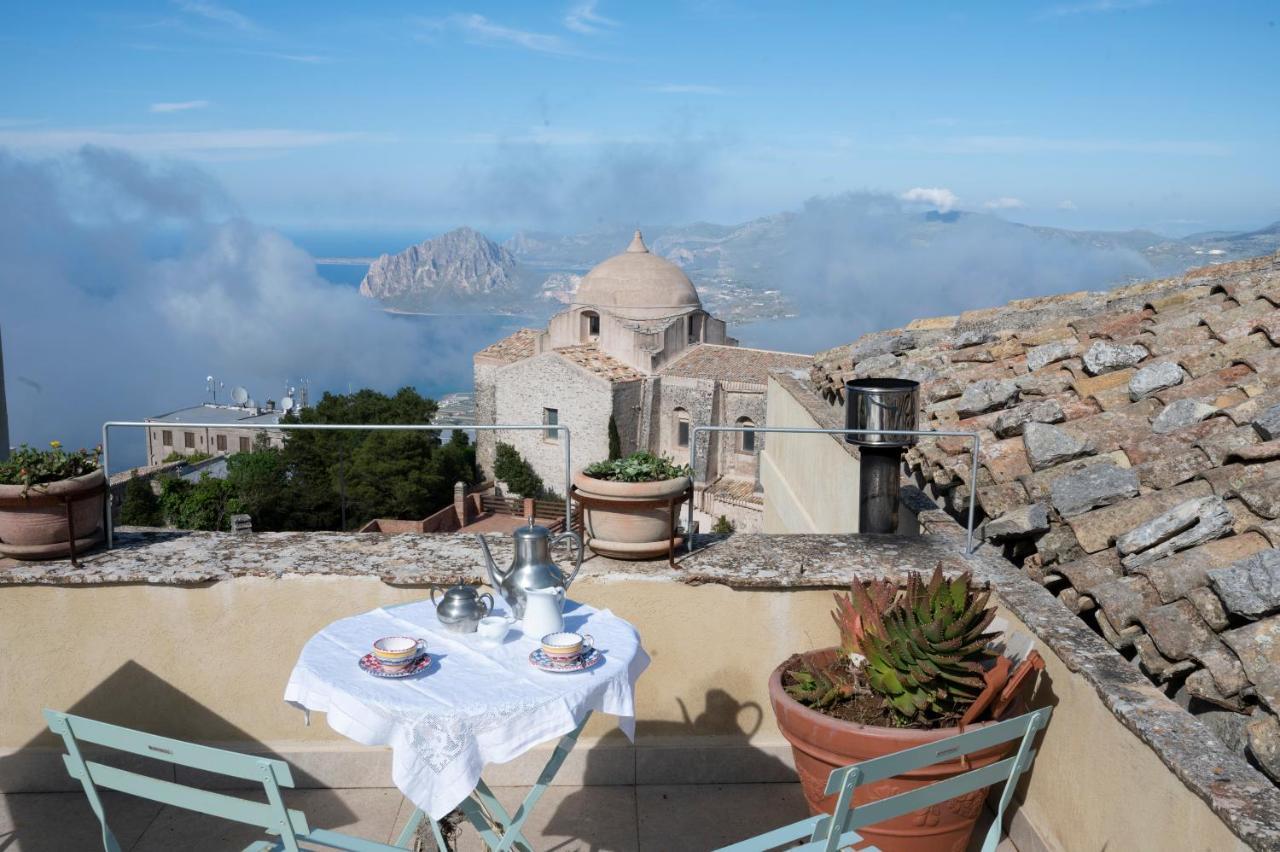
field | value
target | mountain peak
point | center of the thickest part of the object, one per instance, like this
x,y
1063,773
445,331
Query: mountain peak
x,y
459,268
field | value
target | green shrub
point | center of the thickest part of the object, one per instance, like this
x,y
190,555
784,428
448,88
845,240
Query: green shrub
x,y
204,505
510,467
638,467
27,466
176,456
723,526
615,440
140,506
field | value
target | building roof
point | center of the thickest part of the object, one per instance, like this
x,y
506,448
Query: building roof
x,y
638,284
1130,459
589,357
210,413
733,363
513,347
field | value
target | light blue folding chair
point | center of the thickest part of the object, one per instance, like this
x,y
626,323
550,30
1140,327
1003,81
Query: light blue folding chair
x,y
838,830
288,825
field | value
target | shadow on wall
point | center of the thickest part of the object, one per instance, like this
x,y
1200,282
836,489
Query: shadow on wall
x,y
732,758
116,700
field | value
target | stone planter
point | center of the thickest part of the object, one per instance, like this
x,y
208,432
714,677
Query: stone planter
x,y
35,526
629,533
820,744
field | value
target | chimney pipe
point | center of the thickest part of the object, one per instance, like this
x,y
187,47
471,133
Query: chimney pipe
x,y
880,404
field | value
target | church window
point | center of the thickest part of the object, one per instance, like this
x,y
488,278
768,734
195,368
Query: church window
x,y
682,427
746,440
590,324
551,417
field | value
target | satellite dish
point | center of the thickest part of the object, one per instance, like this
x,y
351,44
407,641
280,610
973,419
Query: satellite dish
x,y
208,378
240,395
286,404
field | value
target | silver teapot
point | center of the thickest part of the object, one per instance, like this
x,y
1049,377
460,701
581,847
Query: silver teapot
x,y
531,567
461,608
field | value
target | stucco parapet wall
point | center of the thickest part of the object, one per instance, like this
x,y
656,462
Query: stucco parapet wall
x,y
827,416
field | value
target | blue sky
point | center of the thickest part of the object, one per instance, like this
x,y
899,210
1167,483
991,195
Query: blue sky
x,y
419,116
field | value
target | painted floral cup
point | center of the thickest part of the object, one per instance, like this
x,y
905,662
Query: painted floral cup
x,y
395,652
565,647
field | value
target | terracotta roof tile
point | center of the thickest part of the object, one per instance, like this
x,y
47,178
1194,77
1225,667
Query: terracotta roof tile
x,y
733,363
513,347
606,366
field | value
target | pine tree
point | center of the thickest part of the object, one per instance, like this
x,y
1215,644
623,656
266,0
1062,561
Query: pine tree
x,y
615,440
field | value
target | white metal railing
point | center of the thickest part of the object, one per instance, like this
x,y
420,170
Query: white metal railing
x,y
335,427
801,430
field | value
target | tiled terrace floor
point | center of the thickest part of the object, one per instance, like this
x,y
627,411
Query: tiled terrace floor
x,y
568,819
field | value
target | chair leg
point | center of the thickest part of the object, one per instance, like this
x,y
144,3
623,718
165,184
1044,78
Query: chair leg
x,y
411,827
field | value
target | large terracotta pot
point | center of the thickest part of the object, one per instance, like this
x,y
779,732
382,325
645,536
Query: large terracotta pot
x,y
625,533
39,530
820,744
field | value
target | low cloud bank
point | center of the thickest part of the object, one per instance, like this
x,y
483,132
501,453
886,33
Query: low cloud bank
x,y
124,284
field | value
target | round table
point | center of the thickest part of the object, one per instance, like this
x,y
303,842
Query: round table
x,y
473,705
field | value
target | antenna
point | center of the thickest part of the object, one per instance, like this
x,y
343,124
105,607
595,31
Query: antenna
x,y
240,395
211,388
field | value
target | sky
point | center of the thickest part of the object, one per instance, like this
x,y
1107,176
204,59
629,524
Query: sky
x,y
414,117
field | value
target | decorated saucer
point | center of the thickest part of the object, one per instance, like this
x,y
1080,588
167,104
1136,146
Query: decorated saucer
x,y
370,664
589,659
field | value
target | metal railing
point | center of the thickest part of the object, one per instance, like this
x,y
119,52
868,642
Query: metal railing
x,y
336,427
800,430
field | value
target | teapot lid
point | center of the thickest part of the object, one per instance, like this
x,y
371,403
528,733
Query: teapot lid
x,y
531,531
461,590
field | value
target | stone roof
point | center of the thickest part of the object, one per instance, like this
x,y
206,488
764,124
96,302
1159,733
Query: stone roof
x,y
638,284
1130,463
590,357
511,348
733,363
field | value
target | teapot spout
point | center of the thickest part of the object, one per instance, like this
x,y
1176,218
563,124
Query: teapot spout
x,y
492,572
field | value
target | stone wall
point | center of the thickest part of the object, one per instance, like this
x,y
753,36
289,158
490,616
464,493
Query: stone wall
x,y
483,376
696,396
584,402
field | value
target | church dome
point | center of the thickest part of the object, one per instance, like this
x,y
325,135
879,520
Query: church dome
x,y
638,283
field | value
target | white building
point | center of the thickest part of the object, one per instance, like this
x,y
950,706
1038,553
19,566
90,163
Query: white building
x,y
636,345
173,433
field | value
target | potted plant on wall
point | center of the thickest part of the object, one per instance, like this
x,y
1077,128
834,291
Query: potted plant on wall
x,y
914,665
638,531
37,489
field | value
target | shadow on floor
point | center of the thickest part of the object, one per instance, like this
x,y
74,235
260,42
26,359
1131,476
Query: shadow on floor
x,y
134,697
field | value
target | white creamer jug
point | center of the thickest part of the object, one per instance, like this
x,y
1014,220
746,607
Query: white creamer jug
x,y
543,611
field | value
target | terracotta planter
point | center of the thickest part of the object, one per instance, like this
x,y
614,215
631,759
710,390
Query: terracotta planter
x,y
625,533
820,744
39,530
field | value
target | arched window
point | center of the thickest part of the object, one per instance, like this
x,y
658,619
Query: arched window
x,y
746,440
590,325
681,427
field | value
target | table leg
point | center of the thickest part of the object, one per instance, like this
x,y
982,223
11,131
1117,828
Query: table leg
x,y
489,817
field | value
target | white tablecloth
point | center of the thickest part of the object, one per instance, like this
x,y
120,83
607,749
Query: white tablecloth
x,y
472,706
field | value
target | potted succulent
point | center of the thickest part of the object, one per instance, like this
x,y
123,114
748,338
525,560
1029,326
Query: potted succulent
x,y
617,529
36,489
914,665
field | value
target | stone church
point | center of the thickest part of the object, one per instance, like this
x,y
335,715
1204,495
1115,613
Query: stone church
x,y
636,345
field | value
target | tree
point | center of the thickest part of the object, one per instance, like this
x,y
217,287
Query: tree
x,y
510,467
260,482
140,506
207,504
615,440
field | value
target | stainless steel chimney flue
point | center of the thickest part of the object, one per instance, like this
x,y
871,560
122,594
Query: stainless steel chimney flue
x,y
891,404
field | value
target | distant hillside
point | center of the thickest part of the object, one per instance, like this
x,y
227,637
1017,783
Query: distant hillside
x,y
462,269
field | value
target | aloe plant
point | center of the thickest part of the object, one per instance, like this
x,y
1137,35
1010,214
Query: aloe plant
x,y
924,654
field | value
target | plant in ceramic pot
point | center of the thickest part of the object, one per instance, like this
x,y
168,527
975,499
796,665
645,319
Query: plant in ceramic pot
x,y
38,488
914,665
640,530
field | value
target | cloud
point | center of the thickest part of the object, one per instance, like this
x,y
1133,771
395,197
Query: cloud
x,y
480,30
178,106
218,14
1004,203
583,18
686,89
134,281
304,58
1067,204
942,199
1096,7
191,143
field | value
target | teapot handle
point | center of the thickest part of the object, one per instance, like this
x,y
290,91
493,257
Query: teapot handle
x,y
434,591
488,607
577,540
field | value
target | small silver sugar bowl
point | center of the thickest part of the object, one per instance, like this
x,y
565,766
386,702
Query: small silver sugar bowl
x,y
461,607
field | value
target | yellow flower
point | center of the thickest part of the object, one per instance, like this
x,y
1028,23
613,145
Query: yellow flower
x,y
57,445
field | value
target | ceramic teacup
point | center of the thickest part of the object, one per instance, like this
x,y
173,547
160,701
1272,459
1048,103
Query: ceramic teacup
x,y
396,652
492,629
564,647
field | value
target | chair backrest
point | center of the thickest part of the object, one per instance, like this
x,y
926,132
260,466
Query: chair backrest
x,y
272,816
846,819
